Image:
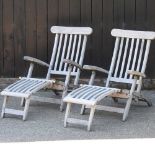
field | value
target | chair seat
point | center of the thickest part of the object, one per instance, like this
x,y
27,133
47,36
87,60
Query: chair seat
x,y
25,87
89,95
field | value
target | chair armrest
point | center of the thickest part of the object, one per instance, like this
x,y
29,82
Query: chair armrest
x,y
34,60
70,62
136,73
95,68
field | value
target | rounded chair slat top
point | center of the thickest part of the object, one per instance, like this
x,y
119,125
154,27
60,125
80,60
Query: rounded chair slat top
x,y
72,30
133,34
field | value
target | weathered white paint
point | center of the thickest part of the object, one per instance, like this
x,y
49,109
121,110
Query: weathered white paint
x,y
127,66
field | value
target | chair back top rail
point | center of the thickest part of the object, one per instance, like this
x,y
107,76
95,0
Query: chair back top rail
x,y
133,34
71,30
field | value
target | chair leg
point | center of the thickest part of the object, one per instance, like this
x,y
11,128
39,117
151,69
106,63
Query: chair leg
x,y
26,108
127,108
67,113
92,111
3,107
23,102
62,105
83,108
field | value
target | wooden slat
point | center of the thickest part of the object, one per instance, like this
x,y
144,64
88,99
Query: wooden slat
x,y
79,94
53,55
1,37
108,42
141,14
113,60
63,52
75,12
129,57
124,57
58,52
19,36
62,72
18,85
122,80
97,33
81,59
14,112
89,93
8,38
52,19
140,55
135,56
86,21
14,94
77,121
42,30
31,27
78,51
119,57
129,14
68,50
146,56
31,85
118,10
64,12
86,12
73,48
151,26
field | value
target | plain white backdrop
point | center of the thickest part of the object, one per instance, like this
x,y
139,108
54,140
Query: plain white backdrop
x,y
80,147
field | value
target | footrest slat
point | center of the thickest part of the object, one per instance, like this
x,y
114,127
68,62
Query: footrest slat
x,y
14,112
77,121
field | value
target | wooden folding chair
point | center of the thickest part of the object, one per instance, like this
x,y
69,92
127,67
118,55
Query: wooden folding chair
x,y
66,60
127,66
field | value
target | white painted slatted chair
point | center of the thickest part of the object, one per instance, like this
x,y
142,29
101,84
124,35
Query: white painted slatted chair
x,y
128,66
67,59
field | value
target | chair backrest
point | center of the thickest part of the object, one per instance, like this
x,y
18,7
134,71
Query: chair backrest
x,y
70,43
130,53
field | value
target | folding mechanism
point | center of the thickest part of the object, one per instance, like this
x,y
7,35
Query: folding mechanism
x,y
66,60
127,66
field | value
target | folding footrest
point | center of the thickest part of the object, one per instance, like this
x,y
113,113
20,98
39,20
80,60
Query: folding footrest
x,y
89,96
13,111
23,88
77,121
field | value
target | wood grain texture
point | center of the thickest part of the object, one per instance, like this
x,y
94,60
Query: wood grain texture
x,y
52,20
1,38
19,36
42,32
97,25
8,38
75,17
130,6
25,29
150,20
107,41
31,25
86,20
